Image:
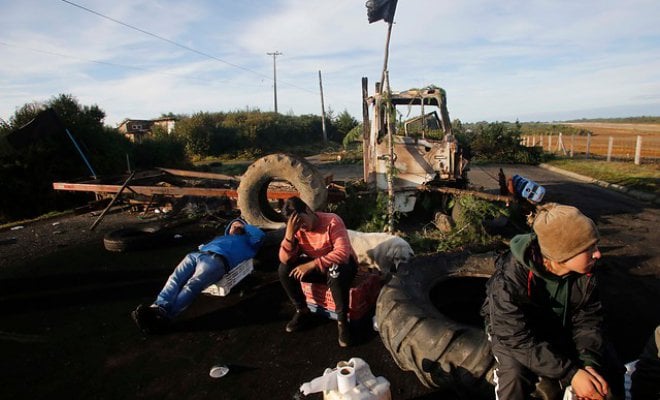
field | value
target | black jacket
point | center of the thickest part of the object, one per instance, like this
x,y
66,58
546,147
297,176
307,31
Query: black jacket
x,y
552,325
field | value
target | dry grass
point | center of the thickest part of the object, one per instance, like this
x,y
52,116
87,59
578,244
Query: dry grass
x,y
624,140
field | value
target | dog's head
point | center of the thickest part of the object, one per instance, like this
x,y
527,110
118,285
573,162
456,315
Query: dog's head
x,y
399,253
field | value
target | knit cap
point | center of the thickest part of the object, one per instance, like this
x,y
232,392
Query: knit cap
x,y
563,231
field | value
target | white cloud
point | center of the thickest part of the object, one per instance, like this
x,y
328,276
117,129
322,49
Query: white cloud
x,y
497,60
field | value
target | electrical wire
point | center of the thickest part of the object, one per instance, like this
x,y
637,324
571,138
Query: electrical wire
x,y
182,45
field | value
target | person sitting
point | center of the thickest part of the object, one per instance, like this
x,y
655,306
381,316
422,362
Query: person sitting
x,y
316,248
196,272
543,316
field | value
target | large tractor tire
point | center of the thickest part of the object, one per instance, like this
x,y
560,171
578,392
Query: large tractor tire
x,y
252,191
429,322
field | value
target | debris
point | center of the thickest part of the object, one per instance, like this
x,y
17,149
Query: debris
x,y
17,227
10,240
218,371
349,380
55,223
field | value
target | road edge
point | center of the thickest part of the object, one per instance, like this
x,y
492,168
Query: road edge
x,y
636,194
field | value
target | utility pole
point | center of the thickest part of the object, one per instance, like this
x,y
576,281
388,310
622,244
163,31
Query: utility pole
x,y
275,54
325,135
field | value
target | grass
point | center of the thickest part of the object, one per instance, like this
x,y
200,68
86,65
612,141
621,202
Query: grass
x,y
644,177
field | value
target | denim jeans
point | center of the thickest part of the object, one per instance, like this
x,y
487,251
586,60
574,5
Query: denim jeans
x,y
194,273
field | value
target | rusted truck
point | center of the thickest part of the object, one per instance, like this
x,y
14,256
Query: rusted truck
x,y
423,152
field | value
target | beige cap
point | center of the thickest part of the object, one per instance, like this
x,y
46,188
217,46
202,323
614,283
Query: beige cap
x,y
563,231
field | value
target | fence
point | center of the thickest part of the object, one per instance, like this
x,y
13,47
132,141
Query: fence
x,y
624,148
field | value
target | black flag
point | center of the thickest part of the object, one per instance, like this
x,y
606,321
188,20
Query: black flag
x,y
45,123
381,9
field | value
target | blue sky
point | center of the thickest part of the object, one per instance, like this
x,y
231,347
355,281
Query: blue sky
x,y
498,60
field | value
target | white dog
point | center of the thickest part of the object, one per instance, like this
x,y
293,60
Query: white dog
x,y
380,250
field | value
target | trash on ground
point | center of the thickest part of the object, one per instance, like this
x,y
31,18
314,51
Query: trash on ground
x,y
17,227
350,380
10,240
55,223
218,371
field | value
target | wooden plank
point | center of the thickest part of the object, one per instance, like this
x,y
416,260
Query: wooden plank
x,y
168,190
197,174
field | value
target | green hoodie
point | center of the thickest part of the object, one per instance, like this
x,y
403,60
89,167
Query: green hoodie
x,y
557,287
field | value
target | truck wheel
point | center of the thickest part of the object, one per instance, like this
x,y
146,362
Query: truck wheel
x,y
429,321
252,190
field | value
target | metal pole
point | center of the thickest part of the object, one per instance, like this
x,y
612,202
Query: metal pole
x,y
81,153
275,54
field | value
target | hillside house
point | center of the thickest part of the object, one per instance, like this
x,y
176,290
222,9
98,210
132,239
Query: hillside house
x,y
137,129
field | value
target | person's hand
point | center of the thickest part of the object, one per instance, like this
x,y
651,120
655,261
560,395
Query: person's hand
x,y
588,384
300,271
292,226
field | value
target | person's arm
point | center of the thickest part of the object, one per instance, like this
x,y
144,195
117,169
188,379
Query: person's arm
x,y
341,246
256,235
289,249
510,331
587,325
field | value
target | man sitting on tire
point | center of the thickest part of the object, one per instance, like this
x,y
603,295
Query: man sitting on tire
x,y
197,271
316,248
542,311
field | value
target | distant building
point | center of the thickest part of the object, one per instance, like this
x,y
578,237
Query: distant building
x,y
137,129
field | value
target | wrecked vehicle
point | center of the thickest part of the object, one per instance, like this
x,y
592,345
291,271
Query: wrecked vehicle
x,y
424,151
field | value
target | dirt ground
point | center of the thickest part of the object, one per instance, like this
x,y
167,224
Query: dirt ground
x,y
65,329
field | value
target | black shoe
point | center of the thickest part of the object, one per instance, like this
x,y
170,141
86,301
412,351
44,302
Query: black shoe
x,y
139,316
151,320
300,320
344,334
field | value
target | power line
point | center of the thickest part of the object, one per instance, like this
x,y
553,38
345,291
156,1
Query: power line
x,y
52,53
178,44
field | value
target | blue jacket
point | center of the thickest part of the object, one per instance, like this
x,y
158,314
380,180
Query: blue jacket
x,y
236,248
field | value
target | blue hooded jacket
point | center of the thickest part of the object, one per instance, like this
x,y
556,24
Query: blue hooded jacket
x,y
236,248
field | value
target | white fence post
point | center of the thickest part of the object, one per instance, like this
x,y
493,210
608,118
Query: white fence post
x,y
572,145
549,143
588,143
609,149
638,150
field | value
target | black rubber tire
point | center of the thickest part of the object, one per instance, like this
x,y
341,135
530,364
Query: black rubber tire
x,y
442,352
134,238
252,199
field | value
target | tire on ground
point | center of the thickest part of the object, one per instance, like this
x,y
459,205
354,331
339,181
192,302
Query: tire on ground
x,y
252,191
127,239
443,353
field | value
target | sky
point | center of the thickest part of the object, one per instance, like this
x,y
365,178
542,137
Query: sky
x,y
538,60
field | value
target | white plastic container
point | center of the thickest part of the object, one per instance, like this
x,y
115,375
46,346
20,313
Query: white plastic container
x,y
367,387
224,285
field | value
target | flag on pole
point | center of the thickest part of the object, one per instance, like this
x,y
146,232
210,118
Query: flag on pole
x,y
381,9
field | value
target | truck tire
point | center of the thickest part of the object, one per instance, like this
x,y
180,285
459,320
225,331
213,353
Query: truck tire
x,y
443,352
127,239
252,190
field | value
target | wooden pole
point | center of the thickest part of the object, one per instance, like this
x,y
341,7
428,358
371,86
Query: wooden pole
x,y
112,202
325,134
638,150
588,143
366,149
387,54
390,169
572,145
610,144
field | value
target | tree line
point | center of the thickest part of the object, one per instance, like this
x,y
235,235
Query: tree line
x,y
27,173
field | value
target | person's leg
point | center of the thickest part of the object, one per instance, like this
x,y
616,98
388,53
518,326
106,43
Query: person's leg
x,y
339,279
512,380
292,286
186,268
193,274
209,269
293,289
